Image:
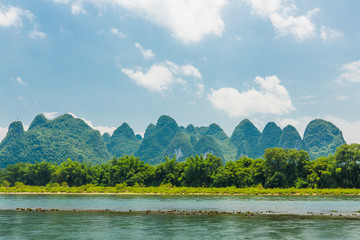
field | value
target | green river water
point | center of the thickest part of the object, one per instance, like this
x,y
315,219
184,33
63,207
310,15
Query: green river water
x,y
277,218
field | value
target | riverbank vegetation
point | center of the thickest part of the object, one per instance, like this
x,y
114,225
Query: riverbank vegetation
x,y
279,172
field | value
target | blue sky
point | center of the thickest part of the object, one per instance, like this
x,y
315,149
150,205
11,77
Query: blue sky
x,y
198,61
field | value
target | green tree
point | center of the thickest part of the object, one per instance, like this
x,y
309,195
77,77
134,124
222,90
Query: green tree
x,y
347,159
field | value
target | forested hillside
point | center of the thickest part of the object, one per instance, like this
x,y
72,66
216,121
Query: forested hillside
x,y
68,137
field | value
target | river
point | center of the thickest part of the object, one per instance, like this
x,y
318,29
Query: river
x,y
276,217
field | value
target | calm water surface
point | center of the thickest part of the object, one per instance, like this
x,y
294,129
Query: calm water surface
x,y
123,225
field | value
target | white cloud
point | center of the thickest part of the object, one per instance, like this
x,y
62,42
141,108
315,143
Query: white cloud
x,y
327,33
282,14
61,1
36,34
146,53
299,27
50,115
76,5
77,8
300,124
101,129
350,73
19,80
200,90
264,8
161,76
351,130
118,33
3,132
342,97
13,16
272,98
188,21
22,100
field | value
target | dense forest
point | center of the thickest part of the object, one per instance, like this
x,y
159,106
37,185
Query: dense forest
x,y
279,168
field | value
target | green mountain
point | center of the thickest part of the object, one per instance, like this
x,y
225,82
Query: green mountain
x,y
290,139
180,146
106,137
68,137
217,132
207,144
123,141
156,139
322,138
53,141
269,138
245,137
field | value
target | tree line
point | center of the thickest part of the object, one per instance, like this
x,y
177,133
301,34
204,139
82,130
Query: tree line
x,y
279,168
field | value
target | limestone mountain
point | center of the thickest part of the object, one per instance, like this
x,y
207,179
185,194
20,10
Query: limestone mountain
x,y
245,137
290,139
322,138
123,141
156,139
207,144
269,138
180,146
68,137
53,141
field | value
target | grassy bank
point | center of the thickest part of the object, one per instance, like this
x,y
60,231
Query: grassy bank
x,y
121,189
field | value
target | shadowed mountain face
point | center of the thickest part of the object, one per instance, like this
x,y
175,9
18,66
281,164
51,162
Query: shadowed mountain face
x,y
53,141
269,138
245,137
68,137
322,138
290,139
123,141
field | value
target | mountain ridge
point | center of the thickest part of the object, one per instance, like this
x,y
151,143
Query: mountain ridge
x,y
69,137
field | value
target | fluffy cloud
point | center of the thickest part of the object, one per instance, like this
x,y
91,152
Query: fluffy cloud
x,y
146,53
13,16
350,73
327,33
282,15
101,129
36,34
77,8
161,76
299,27
19,80
118,33
50,115
265,8
188,21
272,98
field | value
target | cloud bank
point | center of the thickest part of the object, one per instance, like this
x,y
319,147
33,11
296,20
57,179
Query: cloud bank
x,y
188,21
272,98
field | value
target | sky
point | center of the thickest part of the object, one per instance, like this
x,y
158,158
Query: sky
x,y
198,61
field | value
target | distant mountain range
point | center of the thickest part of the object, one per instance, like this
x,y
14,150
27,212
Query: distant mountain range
x,y
68,137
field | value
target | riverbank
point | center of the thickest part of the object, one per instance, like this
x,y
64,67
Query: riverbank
x,y
168,190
